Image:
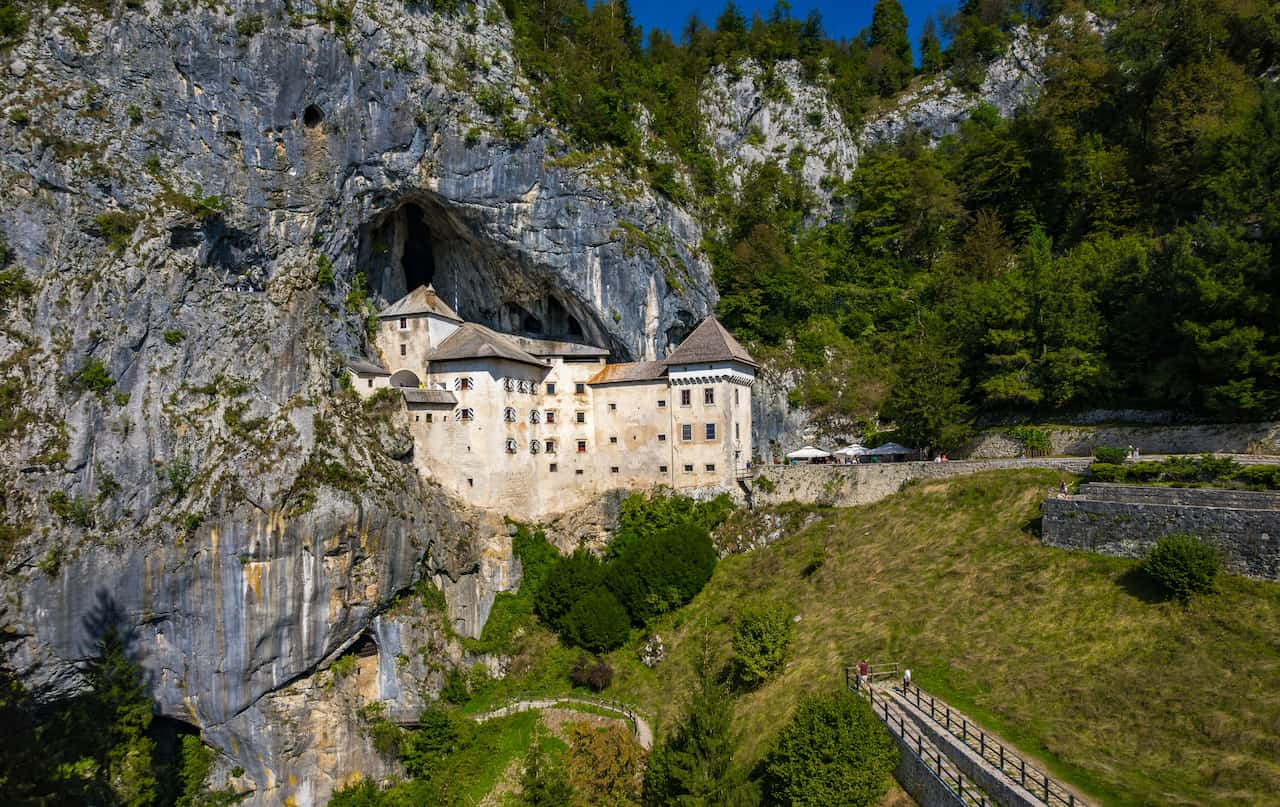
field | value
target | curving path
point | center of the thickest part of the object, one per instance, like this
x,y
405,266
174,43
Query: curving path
x,y
639,726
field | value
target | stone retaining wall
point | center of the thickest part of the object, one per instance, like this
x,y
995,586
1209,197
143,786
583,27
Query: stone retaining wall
x,y
1124,521
1229,438
919,780
849,485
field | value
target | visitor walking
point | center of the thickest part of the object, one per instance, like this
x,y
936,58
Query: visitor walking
x,y
864,672
906,680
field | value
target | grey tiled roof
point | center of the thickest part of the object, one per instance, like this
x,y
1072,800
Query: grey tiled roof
x,y
472,341
428,396
366,367
555,347
422,300
709,342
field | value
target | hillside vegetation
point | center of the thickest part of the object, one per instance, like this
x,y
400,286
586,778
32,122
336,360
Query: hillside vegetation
x,y
1115,244
1069,656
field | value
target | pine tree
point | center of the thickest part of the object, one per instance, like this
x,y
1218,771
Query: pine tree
x,y
930,48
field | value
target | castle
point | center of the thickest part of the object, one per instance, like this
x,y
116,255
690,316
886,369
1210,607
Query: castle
x,y
532,427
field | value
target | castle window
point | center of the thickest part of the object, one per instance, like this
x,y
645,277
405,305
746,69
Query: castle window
x,y
662,403
686,397
553,467
509,415
371,383
509,384
662,469
662,438
686,431
613,469
613,441
735,394
551,416
708,395
579,388
581,417
535,416
711,467
582,446
429,417
534,446
551,389
711,431
578,472
404,350
416,418
466,414
688,469
471,483
613,407
463,383
551,446
404,324
522,386
511,446
737,431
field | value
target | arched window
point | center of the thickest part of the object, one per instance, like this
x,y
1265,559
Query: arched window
x,y
509,384
511,446
535,416
509,415
534,446
463,383
465,414
522,386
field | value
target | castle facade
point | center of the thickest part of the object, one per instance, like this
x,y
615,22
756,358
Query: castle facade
x,y
532,427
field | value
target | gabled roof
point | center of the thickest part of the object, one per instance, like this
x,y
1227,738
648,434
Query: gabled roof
x,y
366,367
629,371
472,341
422,300
429,396
555,347
709,342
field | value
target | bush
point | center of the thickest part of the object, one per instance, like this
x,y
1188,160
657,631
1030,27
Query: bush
x,y
1182,565
324,271
116,228
597,622
1106,472
760,644
567,582
595,675
455,688
173,337
641,517
662,573
93,376
1110,455
834,751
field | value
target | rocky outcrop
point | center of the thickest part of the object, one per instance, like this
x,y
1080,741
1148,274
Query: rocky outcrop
x,y
178,459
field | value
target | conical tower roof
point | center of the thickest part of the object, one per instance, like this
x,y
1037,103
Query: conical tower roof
x,y
709,342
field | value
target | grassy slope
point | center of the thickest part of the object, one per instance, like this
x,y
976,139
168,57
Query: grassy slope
x,y
1135,701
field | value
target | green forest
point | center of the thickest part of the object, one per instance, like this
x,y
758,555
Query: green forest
x,y
1114,244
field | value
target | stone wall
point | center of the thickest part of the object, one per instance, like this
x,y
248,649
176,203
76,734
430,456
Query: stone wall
x,y
1219,438
919,780
849,485
1124,520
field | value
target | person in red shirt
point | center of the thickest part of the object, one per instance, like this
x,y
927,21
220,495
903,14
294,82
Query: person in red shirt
x,y
864,672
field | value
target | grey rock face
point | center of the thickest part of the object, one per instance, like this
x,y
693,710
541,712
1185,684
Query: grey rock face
x,y
172,190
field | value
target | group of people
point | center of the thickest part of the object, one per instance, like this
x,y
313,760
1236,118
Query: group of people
x,y
941,458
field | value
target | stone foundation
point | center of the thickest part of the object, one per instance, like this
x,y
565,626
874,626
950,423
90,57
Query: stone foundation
x,y
1124,520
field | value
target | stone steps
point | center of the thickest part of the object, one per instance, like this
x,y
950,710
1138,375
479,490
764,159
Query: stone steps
x,y
924,770
1004,776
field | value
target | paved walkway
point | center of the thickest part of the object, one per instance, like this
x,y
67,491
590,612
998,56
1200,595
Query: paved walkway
x,y
639,726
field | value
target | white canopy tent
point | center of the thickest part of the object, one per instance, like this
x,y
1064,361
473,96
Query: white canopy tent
x,y
808,453
854,450
889,449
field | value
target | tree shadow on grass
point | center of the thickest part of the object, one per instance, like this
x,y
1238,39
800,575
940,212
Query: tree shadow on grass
x,y
1139,585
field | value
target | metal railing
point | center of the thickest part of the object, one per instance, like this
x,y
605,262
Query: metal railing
x,y
1012,766
967,792
880,671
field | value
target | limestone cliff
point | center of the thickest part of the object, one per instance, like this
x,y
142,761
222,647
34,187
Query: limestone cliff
x,y
207,206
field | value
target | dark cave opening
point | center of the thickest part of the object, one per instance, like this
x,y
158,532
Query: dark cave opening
x,y
312,116
418,258
363,647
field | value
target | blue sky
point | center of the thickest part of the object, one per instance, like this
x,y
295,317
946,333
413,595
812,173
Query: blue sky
x,y
839,19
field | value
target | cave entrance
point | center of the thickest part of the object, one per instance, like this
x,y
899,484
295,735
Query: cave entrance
x,y
417,258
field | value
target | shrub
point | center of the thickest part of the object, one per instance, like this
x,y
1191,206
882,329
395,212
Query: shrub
x,y
760,644
455,689
174,337
1035,441
324,271
595,675
597,622
93,376
834,751
661,573
14,284
1182,565
1110,455
343,666
116,228
75,510
568,580
1106,472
